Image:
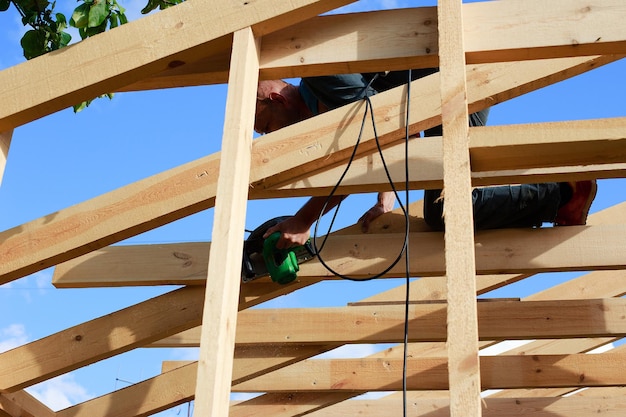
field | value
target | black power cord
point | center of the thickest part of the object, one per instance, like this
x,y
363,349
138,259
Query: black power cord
x,y
405,245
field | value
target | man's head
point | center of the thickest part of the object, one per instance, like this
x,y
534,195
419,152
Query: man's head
x,y
278,104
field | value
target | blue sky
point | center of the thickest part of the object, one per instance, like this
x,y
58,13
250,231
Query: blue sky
x,y
67,158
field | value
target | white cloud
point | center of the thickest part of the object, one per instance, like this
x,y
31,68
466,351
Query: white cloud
x,y
350,351
60,392
185,354
12,336
244,396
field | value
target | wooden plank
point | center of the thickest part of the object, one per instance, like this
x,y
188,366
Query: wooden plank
x,y
497,320
22,404
460,270
127,54
186,263
580,142
499,155
512,251
219,320
572,27
581,287
5,143
100,338
302,149
190,188
364,374
613,406
294,403
141,399
407,38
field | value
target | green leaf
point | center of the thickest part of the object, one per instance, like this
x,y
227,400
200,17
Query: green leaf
x,y
33,44
4,5
98,13
113,20
61,20
123,19
42,4
152,4
89,31
80,17
65,39
79,107
118,7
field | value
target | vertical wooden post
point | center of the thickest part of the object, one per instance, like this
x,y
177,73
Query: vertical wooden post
x,y
463,361
219,319
5,143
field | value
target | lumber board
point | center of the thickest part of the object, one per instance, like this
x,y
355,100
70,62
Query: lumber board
x,y
364,374
190,188
513,251
219,319
536,250
303,149
568,143
460,265
133,51
407,38
5,143
581,287
185,264
553,151
141,399
100,338
609,406
284,405
496,320
138,264
22,404
579,248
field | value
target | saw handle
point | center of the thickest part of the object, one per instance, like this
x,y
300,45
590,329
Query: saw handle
x,y
282,264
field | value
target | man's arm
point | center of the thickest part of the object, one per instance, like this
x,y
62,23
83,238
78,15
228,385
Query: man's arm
x,y
295,231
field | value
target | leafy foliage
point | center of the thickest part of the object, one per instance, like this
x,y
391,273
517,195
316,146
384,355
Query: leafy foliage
x,y
47,28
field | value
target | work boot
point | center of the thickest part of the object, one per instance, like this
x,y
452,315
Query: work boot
x,y
576,210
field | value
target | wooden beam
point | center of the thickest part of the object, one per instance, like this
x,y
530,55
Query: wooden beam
x,y
219,320
407,38
612,406
185,263
580,142
303,149
22,404
579,248
499,155
569,27
581,287
141,399
100,338
363,374
496,320
190,188
119,57
460,264
5,143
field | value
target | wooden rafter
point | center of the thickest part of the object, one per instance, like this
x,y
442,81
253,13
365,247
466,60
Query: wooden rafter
x,y
513,49
309,48
191,187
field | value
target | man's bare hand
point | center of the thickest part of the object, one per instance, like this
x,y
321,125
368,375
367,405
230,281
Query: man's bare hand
x,y
384,204
294,232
